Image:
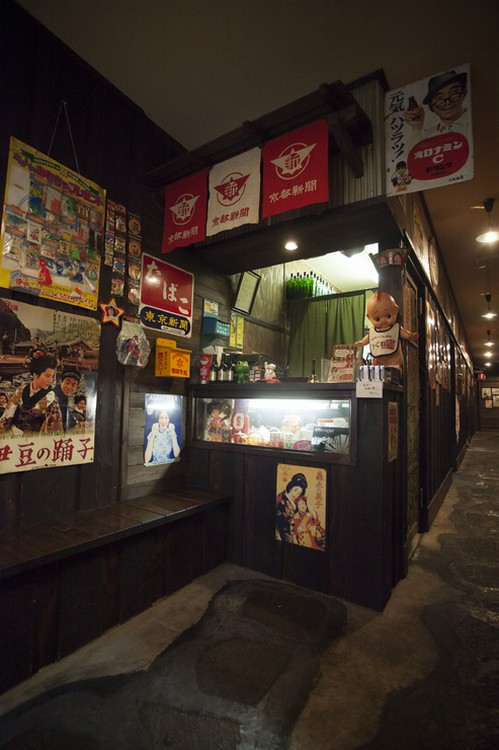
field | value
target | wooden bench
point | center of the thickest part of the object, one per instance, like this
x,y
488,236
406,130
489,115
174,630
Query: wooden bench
x,y
67,580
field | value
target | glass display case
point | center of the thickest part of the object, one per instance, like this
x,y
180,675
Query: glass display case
x,y
316,420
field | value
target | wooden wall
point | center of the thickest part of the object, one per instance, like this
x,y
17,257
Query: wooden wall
x,y
115,144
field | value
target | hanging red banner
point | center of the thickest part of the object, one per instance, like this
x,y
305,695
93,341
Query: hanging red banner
x,y
185,212
295,170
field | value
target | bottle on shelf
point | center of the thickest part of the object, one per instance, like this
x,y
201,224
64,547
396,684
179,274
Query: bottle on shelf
x,y
230,370
213,369
222,370
313,376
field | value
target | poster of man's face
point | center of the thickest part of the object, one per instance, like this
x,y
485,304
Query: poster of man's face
x,y
163,430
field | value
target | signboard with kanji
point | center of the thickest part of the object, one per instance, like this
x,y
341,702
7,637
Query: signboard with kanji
x,y
166,297
429,141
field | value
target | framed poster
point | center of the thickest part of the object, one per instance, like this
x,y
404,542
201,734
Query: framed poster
x,y
51,237
300,516
163,431
247,288
48,386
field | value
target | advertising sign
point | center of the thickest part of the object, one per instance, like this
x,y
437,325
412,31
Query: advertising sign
x,y
234,193
51,238
295,170
428,133
48,382
185,212
163,432
166,297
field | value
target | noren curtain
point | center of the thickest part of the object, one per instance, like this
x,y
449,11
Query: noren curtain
x,y
317,324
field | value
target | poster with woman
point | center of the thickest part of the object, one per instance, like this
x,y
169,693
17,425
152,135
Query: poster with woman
x,y
48,384
163,432
301,506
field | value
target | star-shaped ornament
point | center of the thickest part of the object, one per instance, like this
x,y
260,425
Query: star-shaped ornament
x,y
111,313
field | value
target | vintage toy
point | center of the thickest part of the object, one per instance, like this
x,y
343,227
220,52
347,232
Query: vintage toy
x,y
384,337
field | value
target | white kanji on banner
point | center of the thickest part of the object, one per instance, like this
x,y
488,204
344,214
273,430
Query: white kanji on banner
x,y
234,193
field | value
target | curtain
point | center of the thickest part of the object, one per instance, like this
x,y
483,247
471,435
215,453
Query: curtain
x,y
307,340
317,324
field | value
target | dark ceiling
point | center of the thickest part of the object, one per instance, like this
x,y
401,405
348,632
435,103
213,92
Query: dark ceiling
x,y
200,69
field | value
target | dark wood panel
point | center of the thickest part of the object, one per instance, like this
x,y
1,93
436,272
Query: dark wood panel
x,y
180,560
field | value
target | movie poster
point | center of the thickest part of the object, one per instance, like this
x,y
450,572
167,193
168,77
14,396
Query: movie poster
x,y
163,432
51,238
301,506
48,383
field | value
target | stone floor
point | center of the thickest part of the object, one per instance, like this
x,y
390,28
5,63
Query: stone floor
x,y
238,661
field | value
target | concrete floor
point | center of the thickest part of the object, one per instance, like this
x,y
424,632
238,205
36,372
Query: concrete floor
x,y
423,674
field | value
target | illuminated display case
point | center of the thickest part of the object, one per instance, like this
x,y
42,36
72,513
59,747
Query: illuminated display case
x,y
314,420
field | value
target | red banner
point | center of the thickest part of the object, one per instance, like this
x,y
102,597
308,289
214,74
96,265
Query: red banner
x,y
185,212
295,170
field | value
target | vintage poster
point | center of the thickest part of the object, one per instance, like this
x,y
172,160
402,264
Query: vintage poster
x,y
163,432
300,516
52,229
48,384
166,297
428,132
393,430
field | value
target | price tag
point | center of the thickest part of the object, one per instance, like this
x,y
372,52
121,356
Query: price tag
x,y
369,389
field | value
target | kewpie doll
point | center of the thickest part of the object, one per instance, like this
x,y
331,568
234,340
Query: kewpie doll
x,y
384,337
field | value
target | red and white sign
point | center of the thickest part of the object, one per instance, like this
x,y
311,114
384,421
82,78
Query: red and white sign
x,y
166,297
428,134
295,170
185,212
234,193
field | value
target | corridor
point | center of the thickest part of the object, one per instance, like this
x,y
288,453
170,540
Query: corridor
x,y
422,674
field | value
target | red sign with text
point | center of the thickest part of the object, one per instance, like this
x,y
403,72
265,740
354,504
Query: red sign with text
x,y
295,170
166,297
185,212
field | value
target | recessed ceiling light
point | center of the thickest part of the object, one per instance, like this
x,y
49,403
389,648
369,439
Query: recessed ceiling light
x,y
291,245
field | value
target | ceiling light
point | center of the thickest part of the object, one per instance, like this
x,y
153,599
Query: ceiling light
x,y
491,235
487,364
489,315
489,342
488,354
291,245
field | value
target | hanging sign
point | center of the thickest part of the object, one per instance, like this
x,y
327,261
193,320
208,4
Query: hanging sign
x,y
48,383
234,193
429,141
185,212
166,297
52,229
295,170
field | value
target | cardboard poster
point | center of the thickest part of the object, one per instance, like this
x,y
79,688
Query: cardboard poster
x,y
52,230
163,431
48,384
301,506
428,132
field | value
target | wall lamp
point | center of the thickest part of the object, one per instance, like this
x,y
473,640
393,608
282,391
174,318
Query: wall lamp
x,y
491,235
489,315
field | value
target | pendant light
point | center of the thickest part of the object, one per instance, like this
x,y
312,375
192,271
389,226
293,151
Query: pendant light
x,y
489,342
489,315
491,235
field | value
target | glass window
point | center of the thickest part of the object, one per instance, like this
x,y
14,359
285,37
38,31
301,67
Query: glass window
x,y
318,425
